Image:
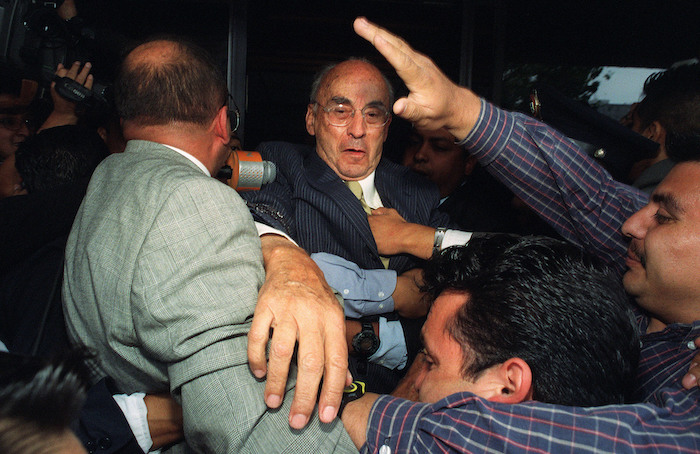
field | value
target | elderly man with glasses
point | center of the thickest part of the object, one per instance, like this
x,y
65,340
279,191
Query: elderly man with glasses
x,y
325,197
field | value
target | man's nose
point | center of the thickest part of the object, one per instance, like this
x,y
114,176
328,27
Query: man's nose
x,y
636,226
357,127
422,153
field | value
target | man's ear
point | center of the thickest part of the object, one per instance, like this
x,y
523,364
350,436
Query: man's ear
x,y
516,380
656,132
221,126
310,120
469,165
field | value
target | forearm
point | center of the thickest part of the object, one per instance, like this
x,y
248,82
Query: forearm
x,y
558,181
164,420
409,301
355,417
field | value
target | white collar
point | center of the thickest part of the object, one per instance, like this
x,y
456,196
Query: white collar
x,y
196,161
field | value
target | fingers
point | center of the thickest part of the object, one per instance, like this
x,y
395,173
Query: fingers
x,y
78,73
690,380
258,336
310,358
282,346
336,374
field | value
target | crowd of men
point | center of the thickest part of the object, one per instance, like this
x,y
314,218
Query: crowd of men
x,y
227,322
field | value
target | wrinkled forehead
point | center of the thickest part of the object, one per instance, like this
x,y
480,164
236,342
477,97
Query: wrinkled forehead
x,y
357,82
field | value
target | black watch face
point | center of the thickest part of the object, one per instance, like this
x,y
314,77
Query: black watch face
x,y
365,343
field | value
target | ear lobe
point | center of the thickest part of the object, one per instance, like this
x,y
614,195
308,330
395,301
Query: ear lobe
x,y
310,120
516,378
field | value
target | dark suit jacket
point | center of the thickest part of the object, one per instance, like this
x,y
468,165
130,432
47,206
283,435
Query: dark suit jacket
x,y
311,203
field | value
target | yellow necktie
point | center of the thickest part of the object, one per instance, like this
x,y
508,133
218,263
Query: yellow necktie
x,y
356,189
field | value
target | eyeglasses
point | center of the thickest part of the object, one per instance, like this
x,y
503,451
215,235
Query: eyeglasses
x,y
14,123
234,115
342,114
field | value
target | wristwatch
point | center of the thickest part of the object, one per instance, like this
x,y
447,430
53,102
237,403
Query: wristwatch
x,y
365,343
353,391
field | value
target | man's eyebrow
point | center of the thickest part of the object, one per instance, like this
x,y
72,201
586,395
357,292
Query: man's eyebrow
x,y
340,100
669,201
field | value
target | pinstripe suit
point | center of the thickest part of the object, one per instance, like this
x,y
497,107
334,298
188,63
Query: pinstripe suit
x,y
163,267
309,201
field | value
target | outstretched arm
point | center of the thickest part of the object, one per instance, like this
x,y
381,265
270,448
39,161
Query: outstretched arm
x,y
297,303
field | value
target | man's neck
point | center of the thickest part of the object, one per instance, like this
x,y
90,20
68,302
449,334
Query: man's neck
x,y
655,325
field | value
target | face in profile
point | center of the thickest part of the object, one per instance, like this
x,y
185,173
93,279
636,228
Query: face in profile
x,y
352,151
664,252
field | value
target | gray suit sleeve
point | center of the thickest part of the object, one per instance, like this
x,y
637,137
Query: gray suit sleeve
x,y
200,272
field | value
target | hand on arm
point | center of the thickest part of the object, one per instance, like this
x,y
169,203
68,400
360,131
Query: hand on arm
x,y
63,112
434,100
298,304
691,379
394,235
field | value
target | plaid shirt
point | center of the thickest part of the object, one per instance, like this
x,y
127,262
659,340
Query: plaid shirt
x,y
587,207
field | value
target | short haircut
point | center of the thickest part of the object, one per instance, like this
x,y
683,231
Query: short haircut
x,y
547,302
672,97
189,87
318,78
58,156
38,401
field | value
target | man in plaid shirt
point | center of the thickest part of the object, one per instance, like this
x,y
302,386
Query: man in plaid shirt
x,y
653,242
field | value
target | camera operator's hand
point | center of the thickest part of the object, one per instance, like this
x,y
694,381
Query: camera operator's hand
x,y
64,111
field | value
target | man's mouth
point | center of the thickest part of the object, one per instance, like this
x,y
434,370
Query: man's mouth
x,y
634,254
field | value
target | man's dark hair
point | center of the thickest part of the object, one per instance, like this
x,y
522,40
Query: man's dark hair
x,y
58,156
38,401
547,302
672,97
188,87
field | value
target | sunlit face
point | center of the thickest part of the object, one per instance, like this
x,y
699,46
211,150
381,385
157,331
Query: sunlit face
x,y
664,253
352,151
13,131
435,155
442,373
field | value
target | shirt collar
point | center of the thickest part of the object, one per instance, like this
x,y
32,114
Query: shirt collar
x,y
369,191
196,161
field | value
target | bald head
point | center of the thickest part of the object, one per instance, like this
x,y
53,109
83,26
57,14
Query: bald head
x,y
325,78
167,81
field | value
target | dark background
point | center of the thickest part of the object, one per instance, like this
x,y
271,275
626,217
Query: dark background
x,y
271,49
